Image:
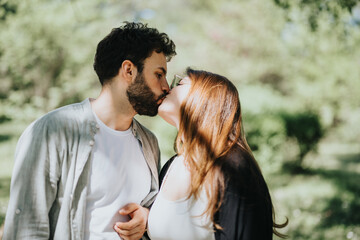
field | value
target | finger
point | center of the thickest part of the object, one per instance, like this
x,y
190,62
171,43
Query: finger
x,y
132,224
129,208
117,229
135,236
127,233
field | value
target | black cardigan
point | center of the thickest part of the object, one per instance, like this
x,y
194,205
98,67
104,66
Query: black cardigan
x,y
246,212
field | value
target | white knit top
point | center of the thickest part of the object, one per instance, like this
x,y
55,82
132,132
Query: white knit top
x,y
179,219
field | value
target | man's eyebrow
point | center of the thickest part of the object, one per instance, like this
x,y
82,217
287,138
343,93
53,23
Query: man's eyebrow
x,y
162,69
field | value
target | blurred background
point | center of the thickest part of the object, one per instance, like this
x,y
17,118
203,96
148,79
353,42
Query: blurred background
x,y
296,65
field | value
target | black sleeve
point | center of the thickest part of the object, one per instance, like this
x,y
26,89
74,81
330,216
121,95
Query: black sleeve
x,y
246,209
245,219
242,218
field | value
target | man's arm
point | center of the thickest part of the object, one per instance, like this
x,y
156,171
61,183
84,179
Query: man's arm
x,y
33,186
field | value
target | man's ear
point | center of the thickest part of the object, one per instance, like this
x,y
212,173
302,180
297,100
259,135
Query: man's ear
x,y
128,71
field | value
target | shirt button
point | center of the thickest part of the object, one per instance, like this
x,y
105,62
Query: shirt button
x,y
91,143
97,126
17,211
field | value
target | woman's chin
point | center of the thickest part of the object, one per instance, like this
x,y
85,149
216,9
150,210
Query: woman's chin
x,y
161,111
169,118
167,111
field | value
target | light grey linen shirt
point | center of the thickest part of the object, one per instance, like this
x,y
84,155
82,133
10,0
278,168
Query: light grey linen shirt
x,y
51,172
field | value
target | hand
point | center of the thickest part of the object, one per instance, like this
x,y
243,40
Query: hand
x,y
135,228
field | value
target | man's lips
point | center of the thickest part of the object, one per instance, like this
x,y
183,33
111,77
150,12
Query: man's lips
x,y
161,100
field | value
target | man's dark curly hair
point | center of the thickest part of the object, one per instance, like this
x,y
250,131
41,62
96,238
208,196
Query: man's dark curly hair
x,y
134,42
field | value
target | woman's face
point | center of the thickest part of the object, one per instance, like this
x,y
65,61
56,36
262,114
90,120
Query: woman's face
x,y
169,110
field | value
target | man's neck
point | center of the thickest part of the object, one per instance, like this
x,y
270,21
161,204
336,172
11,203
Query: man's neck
x,y
116,113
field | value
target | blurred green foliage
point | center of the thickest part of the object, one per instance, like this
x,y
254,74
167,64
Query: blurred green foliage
x,y
297,69
6,9
306,128
313,8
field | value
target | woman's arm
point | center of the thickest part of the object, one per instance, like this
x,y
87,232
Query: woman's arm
x,y
245,218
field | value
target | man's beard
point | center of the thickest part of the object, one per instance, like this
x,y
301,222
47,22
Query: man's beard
x,y
142,99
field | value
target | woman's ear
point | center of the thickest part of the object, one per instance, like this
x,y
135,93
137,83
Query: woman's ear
x,y
128,71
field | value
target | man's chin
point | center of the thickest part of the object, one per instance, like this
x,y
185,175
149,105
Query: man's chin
x,y
147,112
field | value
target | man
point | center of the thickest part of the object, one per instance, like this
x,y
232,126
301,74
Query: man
x,y
77,166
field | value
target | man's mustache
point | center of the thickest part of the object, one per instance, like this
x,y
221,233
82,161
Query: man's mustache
x,y
162,96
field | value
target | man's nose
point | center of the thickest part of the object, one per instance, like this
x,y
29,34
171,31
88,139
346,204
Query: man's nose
x,y
165,85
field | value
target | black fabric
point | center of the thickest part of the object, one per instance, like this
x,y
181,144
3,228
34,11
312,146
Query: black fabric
x,y
246,213
164,169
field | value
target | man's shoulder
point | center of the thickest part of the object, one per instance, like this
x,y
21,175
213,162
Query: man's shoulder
x,y
67,112
67,115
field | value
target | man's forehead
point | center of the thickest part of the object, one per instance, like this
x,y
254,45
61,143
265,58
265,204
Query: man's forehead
x,y
157,61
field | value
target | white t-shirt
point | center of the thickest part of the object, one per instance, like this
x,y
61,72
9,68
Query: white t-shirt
x,y
119,175
179,219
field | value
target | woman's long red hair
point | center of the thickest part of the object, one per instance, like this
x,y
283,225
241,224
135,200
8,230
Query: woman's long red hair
x,y
210,125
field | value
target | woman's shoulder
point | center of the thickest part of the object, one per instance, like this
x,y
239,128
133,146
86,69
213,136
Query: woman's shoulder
x,y
237,162
175,179
242,174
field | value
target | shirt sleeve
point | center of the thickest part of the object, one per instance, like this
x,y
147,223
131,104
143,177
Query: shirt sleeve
x,y
33,185
243,218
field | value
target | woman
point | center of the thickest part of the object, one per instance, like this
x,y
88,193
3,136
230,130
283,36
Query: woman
x,y
213,188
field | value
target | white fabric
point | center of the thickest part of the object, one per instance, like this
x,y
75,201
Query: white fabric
x,y
119,175
179,219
